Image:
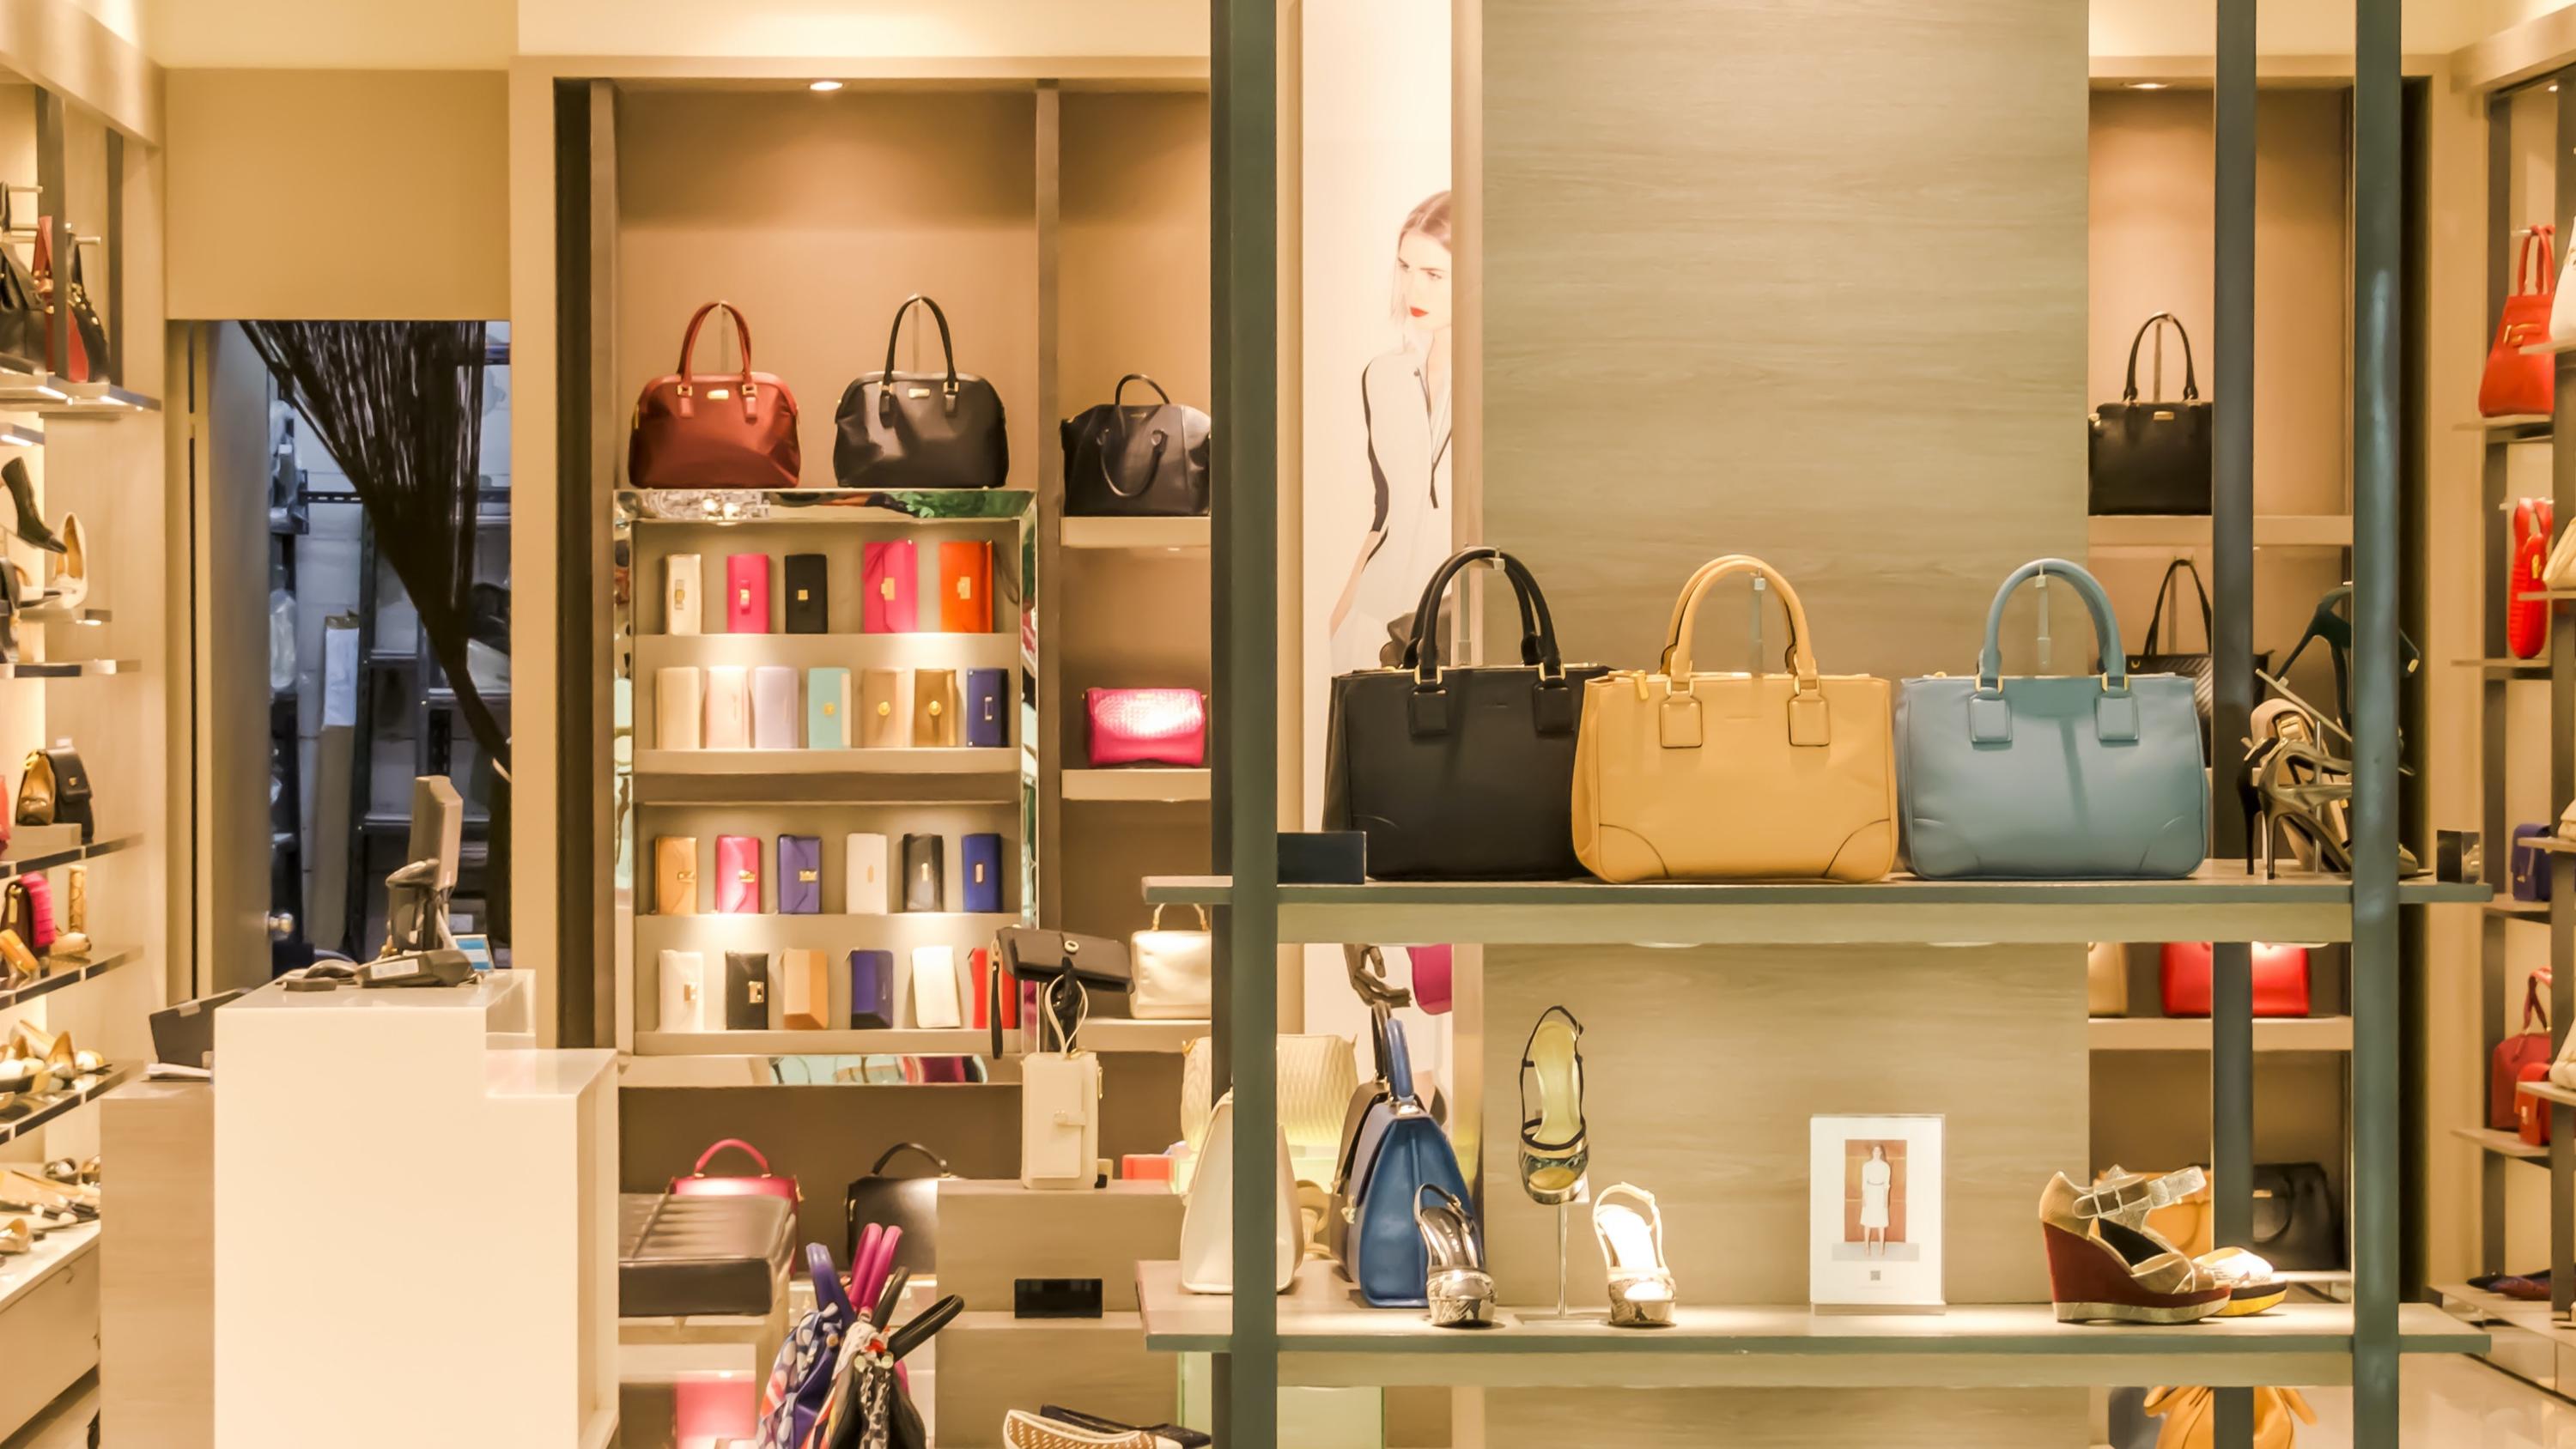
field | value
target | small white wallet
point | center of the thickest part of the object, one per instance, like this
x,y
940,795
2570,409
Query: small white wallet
x,y
934,988
676,706
728,712
684,990
864,874
680,596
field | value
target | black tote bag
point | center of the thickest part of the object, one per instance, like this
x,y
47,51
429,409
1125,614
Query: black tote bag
x,y
2153,456
906,430
1149,460
1464,773
2202,668
2298,1225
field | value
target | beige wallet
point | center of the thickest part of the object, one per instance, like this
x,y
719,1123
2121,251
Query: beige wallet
x,y
675,875
885,709
934,708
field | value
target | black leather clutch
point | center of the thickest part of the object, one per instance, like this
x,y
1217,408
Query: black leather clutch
x,y
746,991
808,579
925,873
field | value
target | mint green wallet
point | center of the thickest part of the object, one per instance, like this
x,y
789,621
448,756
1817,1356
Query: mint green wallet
x,y
827,709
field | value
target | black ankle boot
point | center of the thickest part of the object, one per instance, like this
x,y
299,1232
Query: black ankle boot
x,y
22,492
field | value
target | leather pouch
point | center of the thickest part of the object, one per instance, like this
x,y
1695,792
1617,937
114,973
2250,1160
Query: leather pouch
x,y
746,991
925,874
827,708
966,588
747,593
738,875
773,707
805,990
800,875
684,990
864,875
807,577
728,720
979,856
679,707
675,875
934,708
985,726
885,709
871,990
934,988
683,595
890,573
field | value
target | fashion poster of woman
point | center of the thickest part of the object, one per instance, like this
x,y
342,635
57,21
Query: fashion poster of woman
x,y
1876,1195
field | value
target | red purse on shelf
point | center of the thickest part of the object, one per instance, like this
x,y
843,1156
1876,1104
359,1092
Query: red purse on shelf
x,y
2531,1114
698,1184
2280,979
2526,611
2515,382
694,430
2526,1049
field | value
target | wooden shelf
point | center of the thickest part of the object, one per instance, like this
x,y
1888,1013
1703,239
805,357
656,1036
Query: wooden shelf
x,y
2548,349
954,1042
1327,1338
2171,530
52,1254
1136,533
831,777
29,1111
2506,668
2514,428
944,761
2219,902
69,973
69,668
2518,910
93,400
2169,1034
1140,1037
2547,1091
29,865
2502,1144
1135,784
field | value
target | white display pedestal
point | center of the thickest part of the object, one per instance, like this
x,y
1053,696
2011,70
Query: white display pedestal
x,y
415,1224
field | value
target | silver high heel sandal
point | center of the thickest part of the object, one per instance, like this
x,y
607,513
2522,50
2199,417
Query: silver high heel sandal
x,y
1632,1249
1458,1289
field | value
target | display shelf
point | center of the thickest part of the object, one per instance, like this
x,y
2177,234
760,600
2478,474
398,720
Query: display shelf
x,y
1150,785
752,764
2547,1091
2171,1034
1136,533
2505,1317
2548,844
773,507
2502,1144
2518,910
828,778
963,1041
1140,1037
31,1110
19,435
52,1254
1327,1338
68,973
94,400
2218,902
2171,530
29,865
2506,668
2550,348
2515,427
69,668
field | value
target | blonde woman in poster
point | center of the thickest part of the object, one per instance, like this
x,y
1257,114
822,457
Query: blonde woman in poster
x,y
1875,1178
1404,396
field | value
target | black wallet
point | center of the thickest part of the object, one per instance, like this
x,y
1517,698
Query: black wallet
x,y
925,873
746,991
808,594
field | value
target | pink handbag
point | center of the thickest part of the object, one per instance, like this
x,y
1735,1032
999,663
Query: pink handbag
x,y
1146,727
747,593
738,875
1430,978
698,1184
889,582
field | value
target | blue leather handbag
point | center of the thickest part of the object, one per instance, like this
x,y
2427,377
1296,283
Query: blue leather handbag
x,y
1399,1149
2089,777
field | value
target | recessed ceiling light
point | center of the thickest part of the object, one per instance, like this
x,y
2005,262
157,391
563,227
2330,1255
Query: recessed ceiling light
x,y
826,86
2146,85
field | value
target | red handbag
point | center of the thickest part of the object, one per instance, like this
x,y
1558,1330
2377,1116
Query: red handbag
x,y
726,432
2280,979
2526,610
2515,1053
2516,382
698,1184
2531,1114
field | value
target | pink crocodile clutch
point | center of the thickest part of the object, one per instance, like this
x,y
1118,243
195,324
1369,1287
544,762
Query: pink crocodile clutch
x,y
1146,727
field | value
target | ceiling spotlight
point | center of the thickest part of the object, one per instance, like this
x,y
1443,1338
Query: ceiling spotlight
x,y
2146,85
824,86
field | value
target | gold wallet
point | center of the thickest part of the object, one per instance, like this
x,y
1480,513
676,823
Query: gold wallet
x,y
934,708
885,709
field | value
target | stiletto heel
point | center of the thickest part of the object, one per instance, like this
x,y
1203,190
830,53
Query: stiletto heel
x,y
2103,1270
1456,1286
1556,1148
22,493
1632,1250
71,578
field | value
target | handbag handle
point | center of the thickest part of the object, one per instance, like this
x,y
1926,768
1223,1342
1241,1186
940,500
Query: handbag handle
x,y
1118,394
709,1155
1162,439
2527,280
1399,1063
2533,1005
2106,625
746,389
1538,629
2156,620
1800,656
2190,374
947,353
901,1148
1154,922
827,1282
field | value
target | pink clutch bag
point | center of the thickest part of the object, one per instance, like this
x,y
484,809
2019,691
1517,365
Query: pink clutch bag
x,y
1146,727
747,593
738,875
889,584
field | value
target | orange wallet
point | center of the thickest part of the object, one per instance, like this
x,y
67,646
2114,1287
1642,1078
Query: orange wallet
x,y
966,588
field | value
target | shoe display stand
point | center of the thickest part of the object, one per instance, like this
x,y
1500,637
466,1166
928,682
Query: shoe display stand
x,y
1963,998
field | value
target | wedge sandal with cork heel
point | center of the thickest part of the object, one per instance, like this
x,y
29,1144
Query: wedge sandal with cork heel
x,y
2100,1271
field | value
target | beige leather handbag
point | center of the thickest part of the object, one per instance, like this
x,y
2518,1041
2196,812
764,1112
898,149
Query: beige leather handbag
x,y
1686,776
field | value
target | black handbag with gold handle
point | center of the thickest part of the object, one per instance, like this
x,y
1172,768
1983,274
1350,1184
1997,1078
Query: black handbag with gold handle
x,y
55,791
2152,456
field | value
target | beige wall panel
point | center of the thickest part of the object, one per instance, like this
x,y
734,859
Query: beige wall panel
x,y
1135,245
818,215
1747,292
873,28
333,34
339,194
1782,1418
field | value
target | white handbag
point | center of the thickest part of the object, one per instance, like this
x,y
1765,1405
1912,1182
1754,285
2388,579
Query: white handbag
x,y
934,988
677,707
863,874
680,604
1317,1075
1207,1221
1060,1111
2560,571
728,707
684,990
2562,312
1172,971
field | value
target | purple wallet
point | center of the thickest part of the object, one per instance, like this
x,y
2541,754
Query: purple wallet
x,y
800,875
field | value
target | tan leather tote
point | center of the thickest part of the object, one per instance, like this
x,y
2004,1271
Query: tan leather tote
x,y
1686,776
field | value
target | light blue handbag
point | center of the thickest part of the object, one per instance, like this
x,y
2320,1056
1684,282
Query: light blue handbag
x,y
2091,777
1399,1149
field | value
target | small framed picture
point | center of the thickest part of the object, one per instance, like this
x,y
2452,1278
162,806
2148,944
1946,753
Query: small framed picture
x,y
1874,1193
